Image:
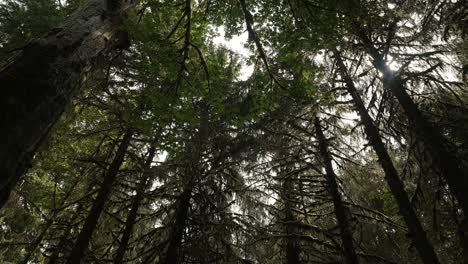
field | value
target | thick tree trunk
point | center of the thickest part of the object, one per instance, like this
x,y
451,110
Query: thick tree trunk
x,y
175,240
132,215
38,84
341,212
416,231
90,224
292,251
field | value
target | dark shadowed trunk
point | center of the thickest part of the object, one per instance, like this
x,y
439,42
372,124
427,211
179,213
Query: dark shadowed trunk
x,y
86,233
341,212
448,165
38,83
292,243
177,232
416,231
132,215
193,171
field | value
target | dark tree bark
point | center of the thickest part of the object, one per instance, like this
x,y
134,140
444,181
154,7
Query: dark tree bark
x,y
448,165
292,243
132,215
416,231
341,212
175,240
193,171
90,224
38,83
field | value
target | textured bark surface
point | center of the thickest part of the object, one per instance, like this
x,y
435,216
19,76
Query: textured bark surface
x,y
341,212
90,224
38,84
416,231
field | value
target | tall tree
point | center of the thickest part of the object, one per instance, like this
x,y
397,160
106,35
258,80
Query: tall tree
x,y
132,214
342,213
247,170
450,167
40,80
417,232
81,244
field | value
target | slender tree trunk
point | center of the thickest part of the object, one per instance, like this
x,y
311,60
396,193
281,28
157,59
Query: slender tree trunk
x,y
292,243
416,231
38,84
175,240
341,212
193,168
292,250
132,215
86,233
448,165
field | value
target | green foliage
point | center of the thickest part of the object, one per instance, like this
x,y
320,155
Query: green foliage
x,y
22,21
246,150
385,197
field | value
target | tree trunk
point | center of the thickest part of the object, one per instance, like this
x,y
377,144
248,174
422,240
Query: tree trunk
x,y
292,243
447,164
175,240
132,215
193,169
86,233
341,212
416,231
38,84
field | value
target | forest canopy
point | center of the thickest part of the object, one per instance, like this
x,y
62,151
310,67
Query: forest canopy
x,y
130,134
